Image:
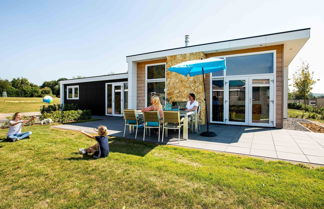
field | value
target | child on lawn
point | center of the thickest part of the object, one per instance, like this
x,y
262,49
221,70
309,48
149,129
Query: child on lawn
x,y
101,149
15,126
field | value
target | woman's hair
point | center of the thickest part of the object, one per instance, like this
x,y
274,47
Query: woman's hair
x,y
102,131
193,96
156,102
15,115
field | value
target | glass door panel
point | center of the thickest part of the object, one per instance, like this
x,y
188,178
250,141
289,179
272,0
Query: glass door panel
x,y
125,96
117,100
260,101
109,99
218,101
237,101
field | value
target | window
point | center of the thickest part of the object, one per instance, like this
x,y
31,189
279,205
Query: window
x,y
155,82
73,92
249,64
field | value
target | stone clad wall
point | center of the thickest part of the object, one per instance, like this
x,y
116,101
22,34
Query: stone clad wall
x,y
178,87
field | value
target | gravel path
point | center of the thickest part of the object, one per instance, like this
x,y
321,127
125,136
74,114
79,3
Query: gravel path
x,y
293,124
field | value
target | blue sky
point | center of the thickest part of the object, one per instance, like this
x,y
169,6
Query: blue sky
x,y
46,40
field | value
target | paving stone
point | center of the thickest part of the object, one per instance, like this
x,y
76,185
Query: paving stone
x,y
292,156
263,153
316,159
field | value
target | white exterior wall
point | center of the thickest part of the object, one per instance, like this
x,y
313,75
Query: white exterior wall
x,y
132,85
285,91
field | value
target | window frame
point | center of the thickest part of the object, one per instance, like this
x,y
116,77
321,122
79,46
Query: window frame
x,y
73,92
155,80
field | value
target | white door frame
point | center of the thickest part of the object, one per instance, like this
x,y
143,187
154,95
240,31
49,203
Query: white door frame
x,y
121,84
271,100
248,99
226,98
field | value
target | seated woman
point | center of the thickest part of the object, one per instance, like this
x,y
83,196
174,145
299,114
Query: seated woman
x,y
155,106
192,104
15,126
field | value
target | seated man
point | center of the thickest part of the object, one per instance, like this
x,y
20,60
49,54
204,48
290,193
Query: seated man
x,y
192,104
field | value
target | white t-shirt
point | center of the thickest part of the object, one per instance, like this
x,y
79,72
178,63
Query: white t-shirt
x,y
16,129
190,105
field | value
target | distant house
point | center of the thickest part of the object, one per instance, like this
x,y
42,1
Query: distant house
x,y
252,91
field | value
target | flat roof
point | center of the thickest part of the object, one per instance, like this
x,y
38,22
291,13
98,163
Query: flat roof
x,y
114,76
297,39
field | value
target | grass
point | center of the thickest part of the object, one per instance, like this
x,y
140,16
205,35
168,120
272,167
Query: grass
x,y
46,172
22,104
293,113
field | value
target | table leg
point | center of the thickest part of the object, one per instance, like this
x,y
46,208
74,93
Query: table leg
x,y
185,128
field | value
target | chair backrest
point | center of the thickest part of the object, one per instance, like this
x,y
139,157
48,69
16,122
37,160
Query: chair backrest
x,y
130,115
171,117
152,116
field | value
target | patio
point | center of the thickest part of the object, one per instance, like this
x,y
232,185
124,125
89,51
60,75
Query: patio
x,y
281,144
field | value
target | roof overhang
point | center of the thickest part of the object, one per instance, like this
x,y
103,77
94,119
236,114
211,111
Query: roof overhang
x,y
293,41
96,78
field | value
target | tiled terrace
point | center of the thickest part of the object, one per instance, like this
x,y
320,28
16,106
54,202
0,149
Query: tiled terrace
x,y
278,144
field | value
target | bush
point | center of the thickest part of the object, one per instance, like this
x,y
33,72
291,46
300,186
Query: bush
x,y
56,107
68,115
45,91
70,107
50,108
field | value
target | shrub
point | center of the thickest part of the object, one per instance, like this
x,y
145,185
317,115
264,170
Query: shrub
x,y
67,115
70,107
56,107
50,108
45,91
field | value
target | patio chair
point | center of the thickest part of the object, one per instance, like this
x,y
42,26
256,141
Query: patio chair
x,y
195,117
171,120
132,121
151,121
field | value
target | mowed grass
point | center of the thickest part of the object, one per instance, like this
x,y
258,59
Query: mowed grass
x,y
22,104
46,172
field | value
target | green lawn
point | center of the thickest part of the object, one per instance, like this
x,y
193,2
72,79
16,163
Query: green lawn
x,y
45,171
22,104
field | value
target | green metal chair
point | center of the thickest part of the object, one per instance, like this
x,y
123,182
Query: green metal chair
x,y
151,121
171,120
132,121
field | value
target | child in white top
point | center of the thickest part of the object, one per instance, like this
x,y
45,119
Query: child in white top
x,y
15,126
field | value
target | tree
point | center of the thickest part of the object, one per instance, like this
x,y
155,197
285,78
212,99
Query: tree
x,y
45,91
303,81
4,85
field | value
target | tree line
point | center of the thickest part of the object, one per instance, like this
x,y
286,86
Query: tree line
x,y
22,87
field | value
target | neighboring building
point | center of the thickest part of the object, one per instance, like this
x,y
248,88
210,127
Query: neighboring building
x,y
252,91
96,93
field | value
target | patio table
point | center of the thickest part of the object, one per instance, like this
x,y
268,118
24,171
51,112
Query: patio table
x,y
184,114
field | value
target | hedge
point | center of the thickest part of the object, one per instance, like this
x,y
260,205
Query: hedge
x,y
67,115
55,107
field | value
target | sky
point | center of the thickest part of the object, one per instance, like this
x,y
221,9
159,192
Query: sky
x,y
50,39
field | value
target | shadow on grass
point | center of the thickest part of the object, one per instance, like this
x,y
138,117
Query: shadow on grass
x,y
124,146
131,147
82,157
